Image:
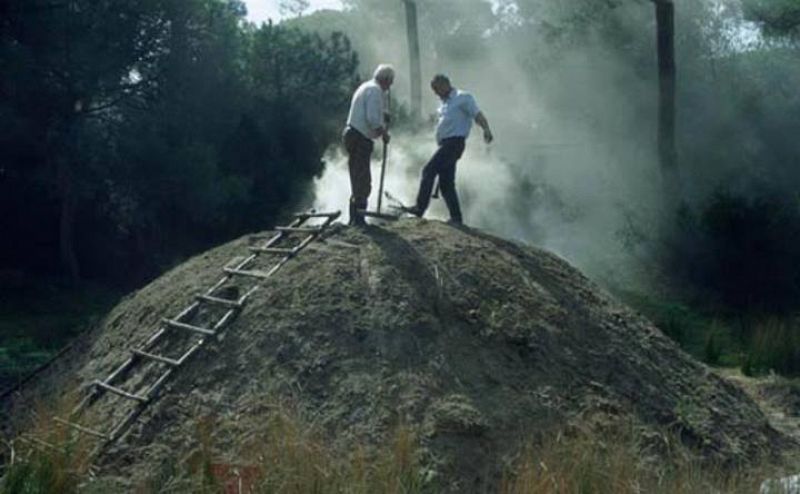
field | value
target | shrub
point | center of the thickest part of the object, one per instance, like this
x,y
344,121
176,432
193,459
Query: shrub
x,y
775,346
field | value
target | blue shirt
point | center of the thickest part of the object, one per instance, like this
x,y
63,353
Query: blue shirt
x,y
456,114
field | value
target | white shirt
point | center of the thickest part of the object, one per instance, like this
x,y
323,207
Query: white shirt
x,y
367,108
456,114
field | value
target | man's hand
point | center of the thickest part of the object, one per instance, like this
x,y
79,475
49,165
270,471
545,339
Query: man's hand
x,y
480,119
386,138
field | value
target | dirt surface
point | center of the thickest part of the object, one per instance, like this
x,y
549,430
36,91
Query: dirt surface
x,y
477,341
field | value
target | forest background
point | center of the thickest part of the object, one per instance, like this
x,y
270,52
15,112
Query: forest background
x,y
136,133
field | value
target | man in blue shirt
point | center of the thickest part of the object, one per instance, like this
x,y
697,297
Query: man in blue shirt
x,y
456,114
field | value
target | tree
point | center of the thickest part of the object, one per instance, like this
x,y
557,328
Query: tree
x,y
665,40
72,61
293,7
777,17
139,131
415,72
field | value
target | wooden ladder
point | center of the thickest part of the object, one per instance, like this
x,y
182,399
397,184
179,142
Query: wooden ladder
x,y
138,380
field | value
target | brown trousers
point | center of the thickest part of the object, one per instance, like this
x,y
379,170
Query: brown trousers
x,y
359,151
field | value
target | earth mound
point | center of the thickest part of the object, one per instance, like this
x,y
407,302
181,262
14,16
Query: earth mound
x,y
478,341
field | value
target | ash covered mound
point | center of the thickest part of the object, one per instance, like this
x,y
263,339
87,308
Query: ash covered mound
x,y
478,341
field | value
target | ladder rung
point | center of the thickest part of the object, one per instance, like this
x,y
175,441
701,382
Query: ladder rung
x,y
298,229
80,428
233,304
38,442
253,274
182,325
274,250
120,392
334,214
157,358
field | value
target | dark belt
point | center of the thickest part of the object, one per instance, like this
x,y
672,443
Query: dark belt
x,y
452,140
358,132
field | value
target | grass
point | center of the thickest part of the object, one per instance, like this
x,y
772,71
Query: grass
x,y
49,458
708,337
287,455
775,346
620,464
756,343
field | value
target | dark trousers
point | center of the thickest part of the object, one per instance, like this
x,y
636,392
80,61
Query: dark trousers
x,y
359,152
443,164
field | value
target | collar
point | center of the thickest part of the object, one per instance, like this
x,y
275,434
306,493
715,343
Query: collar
x,y
449,95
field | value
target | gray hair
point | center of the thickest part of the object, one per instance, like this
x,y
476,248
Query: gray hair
x,y
384,72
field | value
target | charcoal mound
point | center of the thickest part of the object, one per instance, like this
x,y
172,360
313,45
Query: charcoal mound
x,y
476,341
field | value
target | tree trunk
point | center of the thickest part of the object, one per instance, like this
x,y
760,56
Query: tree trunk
x,y
665,20
66,223
414,59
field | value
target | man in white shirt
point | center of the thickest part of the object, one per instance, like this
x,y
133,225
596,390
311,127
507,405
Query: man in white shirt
x,y
456,114
366,121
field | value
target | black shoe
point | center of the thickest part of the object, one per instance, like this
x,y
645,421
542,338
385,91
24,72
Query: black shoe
x,y
357,221
455,222
413,210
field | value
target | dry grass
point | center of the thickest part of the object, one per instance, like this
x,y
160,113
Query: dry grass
x,y
289,456
286,455
48,458
620,464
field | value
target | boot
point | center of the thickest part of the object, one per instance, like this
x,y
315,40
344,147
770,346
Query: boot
x,y
355,218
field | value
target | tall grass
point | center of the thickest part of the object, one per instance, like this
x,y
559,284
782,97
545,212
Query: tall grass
x,y
287,455
618,464
48,458
775,346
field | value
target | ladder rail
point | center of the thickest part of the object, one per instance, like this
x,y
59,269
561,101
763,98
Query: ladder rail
x,y
272,241
99,388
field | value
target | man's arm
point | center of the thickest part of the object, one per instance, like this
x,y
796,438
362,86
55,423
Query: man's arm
x,y
480,119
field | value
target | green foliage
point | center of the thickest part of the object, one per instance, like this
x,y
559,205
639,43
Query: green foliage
x,y
743,249
712,350
775,346
678,321
39,316
138,132
708,337
777,16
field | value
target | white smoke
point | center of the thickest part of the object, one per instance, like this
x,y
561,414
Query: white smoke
x,y
481,178
561,200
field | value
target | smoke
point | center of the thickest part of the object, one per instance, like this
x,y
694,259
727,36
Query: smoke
x,y
573,106
406,156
